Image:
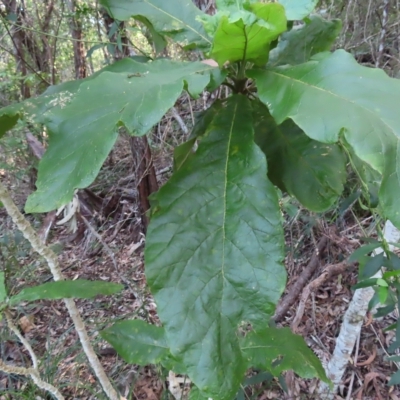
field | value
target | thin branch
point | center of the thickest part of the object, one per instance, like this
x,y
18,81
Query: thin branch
x,y
25,343
10,369
110,253
52,261
179,120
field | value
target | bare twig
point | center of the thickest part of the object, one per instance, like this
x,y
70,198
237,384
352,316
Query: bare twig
x,y
179,120
32,372
25,343
111,254
52,261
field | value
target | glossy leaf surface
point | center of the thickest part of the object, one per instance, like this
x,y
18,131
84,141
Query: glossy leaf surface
x,y
277,350
312,171
335,95
299,44
298,9
214,250
137,342
246,34
175,18
81,289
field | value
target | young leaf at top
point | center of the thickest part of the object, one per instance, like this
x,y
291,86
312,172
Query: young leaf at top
x,y
299,44
312,171
81,289
277,350
214,249
83,120
137,342
334,95
245,35
298,9
175,18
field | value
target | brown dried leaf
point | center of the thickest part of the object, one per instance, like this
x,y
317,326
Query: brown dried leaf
x,y
26,323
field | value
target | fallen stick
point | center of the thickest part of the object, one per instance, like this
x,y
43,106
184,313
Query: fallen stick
x,y
297,287
329,272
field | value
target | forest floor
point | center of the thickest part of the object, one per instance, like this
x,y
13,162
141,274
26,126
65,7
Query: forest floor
x,y
111,249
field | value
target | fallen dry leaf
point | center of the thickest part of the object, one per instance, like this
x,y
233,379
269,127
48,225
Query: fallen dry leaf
x,y
26,323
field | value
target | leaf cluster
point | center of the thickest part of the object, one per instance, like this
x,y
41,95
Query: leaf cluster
x,y
295,116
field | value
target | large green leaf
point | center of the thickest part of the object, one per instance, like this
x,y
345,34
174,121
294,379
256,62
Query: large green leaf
x,y
175,18
80,288
246,35
214,249
3,290
278,350
312,171
299,44
334,95
83,119
203,120
298,9
137,342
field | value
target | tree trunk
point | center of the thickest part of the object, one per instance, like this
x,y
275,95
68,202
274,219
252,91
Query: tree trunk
x,y
145,173
30,54
79,48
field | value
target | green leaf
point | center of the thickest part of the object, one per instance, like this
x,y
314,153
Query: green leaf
x,y
363,250
195,394
373,266
81,289
381,282
137,342
214,249
278,350
311,171
3,290
83,121
394,379
183,152
383,294
203,119
366,283
8,120
298,9
158,40
302,42
246,35
94,48
175,18
334,95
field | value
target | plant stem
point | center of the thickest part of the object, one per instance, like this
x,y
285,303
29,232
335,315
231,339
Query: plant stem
x,y
52,261
32,372
24,342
